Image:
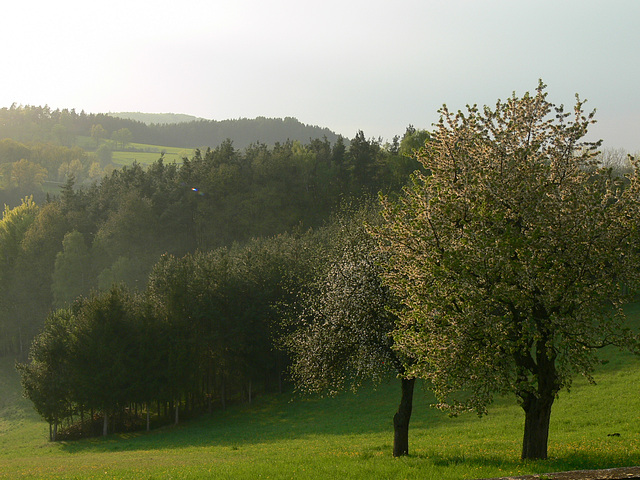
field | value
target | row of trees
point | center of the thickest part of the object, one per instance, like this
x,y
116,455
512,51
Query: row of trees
x,y
121,137
502,268
200,333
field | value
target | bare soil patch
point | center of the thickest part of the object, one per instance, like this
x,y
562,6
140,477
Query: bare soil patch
x,y
625,473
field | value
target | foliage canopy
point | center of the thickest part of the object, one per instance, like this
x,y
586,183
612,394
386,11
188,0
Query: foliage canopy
x,y
512,256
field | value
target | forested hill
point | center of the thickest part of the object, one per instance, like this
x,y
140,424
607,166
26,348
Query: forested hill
x,y
242,132
41,124
151,118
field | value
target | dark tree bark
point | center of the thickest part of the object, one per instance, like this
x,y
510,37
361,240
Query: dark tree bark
x,y
537,406
401,419
105,423
536,427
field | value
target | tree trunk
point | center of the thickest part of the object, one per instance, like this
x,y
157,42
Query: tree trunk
x,y
279,371
537,406
537,412
401,419
148,418
105,424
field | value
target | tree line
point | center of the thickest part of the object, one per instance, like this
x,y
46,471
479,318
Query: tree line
x,y
41,124
200,334
115,230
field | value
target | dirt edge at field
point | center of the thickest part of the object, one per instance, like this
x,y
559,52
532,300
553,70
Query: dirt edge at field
x,y
624,473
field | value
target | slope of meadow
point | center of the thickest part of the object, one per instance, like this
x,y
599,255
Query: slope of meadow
x,y
147,154
284,436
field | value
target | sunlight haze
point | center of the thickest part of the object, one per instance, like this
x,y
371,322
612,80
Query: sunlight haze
x,y
375,66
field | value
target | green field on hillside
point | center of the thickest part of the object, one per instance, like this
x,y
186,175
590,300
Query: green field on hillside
x,y
147,154
141,153
285,436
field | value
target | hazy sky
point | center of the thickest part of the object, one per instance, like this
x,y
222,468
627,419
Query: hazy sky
x,y
348,65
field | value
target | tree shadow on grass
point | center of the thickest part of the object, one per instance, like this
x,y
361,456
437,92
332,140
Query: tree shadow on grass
x,y
277,418
274,418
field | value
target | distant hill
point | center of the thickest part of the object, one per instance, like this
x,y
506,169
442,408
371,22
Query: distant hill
x,y
188,131
159,118
242,131
26,123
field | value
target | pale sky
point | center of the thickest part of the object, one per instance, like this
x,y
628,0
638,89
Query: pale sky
x,y
349,65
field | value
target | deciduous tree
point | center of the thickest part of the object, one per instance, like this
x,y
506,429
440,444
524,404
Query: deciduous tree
x,y
513,255
13,227
28,176
98,133
122,136
343,335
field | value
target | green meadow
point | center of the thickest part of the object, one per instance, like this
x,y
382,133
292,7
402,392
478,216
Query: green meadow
x,y
349,436
141,153
147,154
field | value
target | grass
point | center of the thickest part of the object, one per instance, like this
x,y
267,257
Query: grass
x,y
141,153
283,436
146,154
